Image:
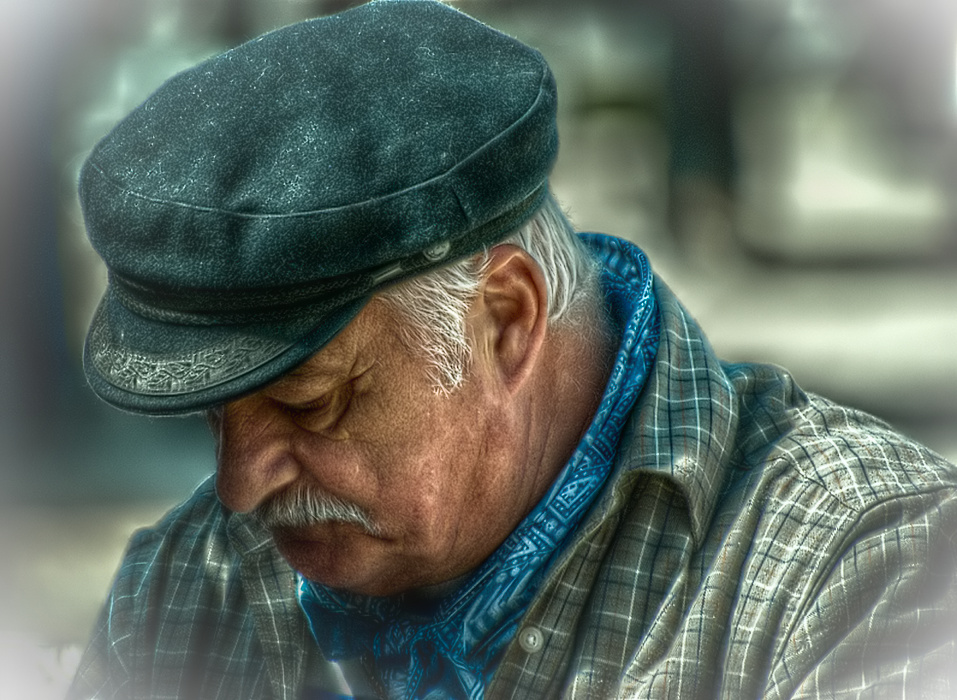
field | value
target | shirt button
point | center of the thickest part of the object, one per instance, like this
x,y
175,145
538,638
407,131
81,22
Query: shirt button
x,y
531,640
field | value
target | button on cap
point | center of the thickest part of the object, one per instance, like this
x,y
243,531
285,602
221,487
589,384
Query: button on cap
x,y
437,252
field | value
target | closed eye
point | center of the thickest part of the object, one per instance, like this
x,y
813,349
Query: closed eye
x,y
325,412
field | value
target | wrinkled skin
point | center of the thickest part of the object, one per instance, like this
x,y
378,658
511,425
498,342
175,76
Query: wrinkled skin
x,y
443,478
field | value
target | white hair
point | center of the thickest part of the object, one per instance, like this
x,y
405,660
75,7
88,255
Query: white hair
x,y
305,507
434,306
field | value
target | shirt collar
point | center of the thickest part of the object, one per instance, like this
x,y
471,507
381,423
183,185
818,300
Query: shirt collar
x,y
682,427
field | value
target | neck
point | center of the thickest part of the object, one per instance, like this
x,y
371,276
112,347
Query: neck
x,y
574,371
544,430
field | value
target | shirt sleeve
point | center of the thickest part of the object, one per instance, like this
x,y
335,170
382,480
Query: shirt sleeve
x,y
884,620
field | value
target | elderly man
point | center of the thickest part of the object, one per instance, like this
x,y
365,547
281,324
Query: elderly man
x,y
462,451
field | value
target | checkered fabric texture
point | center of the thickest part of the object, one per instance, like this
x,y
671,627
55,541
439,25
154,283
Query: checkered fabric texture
x,y
754,541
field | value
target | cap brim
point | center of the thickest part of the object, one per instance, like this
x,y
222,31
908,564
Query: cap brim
x,y
161,368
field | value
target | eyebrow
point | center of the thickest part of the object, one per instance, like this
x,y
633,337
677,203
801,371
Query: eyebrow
x,y
305,373
327,371
326,376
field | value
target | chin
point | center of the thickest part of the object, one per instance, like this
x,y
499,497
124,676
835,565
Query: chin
x,y
352,561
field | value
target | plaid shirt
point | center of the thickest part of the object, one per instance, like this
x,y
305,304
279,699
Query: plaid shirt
x,y
753,541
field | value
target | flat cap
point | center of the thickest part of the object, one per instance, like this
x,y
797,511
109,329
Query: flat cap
x,y
250,207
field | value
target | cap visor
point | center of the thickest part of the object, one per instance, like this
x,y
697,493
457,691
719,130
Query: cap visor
x,y
161,368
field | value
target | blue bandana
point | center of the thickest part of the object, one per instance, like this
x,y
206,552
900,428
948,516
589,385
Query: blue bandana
x,y
450,647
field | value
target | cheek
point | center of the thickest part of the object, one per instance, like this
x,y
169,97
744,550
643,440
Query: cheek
x,y
426,472
424,449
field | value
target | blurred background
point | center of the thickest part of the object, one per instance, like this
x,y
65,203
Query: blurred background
x,y
789,166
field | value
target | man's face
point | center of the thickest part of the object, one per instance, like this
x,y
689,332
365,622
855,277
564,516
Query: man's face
x,y
440,478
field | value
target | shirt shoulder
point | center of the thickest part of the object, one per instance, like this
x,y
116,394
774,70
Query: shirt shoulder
x,y
200,513
860,460
855,457
190,542
180,620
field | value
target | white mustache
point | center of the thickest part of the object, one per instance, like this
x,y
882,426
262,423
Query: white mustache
x,y
303,507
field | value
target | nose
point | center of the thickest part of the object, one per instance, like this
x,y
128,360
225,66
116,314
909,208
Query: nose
x,y
253,453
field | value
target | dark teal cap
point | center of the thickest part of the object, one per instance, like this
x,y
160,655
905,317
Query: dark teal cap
x,y
253,204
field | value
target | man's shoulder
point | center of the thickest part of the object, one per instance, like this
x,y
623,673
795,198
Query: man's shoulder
x,y
720,426
795,445
194,541
199,515
190,587
859,459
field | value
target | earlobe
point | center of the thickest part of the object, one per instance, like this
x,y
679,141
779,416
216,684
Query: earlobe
x,y
513,313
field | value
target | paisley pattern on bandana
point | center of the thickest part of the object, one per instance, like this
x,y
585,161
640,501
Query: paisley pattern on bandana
x,y
450,648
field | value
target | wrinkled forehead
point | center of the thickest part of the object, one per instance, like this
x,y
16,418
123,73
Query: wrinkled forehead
x,y
355,348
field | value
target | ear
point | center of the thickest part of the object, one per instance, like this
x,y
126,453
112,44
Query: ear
x,y
509,317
